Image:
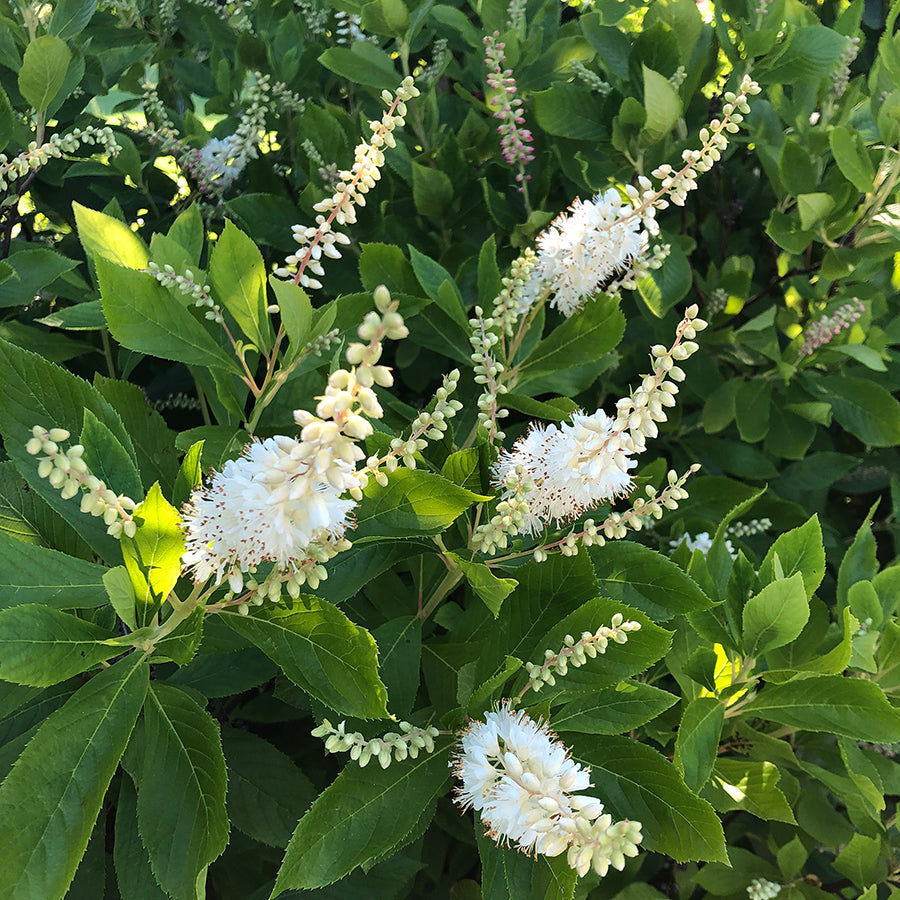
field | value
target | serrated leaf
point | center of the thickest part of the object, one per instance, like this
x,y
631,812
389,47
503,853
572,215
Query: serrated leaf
x,y
36,392
144,316
183,751
296,312
697,742
614,710
798,550
153,555
413,503
238,276
109,238
70,17
43,71
134,877
831,704
355,819
852,158
400,653
33,574
490,589
646,580
321,651
267,793
50,800
638,783
864,408
596,330
662,103
40,646
862,860
749,786
30,271
775,616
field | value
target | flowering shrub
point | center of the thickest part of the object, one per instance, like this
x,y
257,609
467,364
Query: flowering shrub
x,y
450,450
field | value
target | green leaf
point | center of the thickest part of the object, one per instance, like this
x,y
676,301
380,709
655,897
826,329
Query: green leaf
x,y
570,111
751,407
43,71
750,786
154,443
830,704
321,651
32,270
107,458
296,312
389,17
791,858
33,574
860,562
267,793
490,589
862,860
413,503
646,580
41,646
813,208
189,232
662,288
144,316
189,474
134,876
614,710
238,276
638,783
798,550
509,874
663,106
106,237
120,591
638,653
400,654
852,158
697,742
596,330
183,751
361,65
719,408
70,17
361,816
153,555
775,616
432,191
37,392
433,276
385,264
50,800
863,407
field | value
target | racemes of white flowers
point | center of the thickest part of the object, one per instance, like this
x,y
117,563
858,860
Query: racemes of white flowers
x,y
284,501
594,241
585,247
575,466
521,779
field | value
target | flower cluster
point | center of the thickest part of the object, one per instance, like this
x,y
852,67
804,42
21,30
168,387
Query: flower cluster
x,y
763,889
341,206
440,55
702,542
487,369
69,474
577,465
408,742
35,156
589,77
514,139
748,529
283,500
523,783
828,327
430,424
597,239
235,12
185,284
512,515
577,653
840,77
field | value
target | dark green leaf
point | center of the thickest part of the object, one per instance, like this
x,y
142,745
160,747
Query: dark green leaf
x,y
50,800
183,751
697,742
321,651
614,710
357,819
